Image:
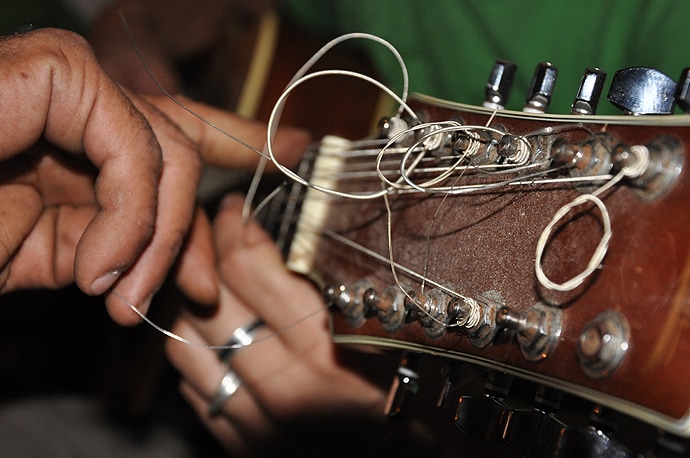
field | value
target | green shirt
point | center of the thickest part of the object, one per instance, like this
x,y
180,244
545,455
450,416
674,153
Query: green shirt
x,y
450,46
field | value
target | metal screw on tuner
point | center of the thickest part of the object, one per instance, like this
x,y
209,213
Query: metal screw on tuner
x,y
538,329
603,343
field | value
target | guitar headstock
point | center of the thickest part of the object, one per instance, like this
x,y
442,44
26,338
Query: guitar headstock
x,y
550,248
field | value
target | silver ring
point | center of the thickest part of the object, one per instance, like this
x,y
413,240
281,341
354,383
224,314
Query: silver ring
x,y
228,386
241,337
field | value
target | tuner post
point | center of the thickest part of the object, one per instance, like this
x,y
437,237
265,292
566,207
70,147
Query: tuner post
x,y
538,329
350,301
587,159
541,88
588,94
499,84
652,168
389,306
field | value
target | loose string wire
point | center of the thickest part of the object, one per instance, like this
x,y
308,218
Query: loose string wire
x,y
635,169
238,345
299,78
275,117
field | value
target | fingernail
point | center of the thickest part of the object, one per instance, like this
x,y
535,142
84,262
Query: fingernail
x,y
104,283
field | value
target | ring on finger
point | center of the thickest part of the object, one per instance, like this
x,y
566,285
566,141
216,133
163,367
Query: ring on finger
x,y
241,337
228,386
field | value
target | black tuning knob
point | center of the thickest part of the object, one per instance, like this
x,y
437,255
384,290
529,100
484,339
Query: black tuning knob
x,y
486,417
589,92
643,90
541,88
499,84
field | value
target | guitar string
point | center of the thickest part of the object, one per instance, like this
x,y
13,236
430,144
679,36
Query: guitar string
x,y
594,262
389,229
275,116
355,172
435,129
177,337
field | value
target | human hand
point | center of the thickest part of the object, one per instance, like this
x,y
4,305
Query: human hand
x,y
289,381
98,185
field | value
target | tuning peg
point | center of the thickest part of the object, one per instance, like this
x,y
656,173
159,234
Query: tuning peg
x,y
452,373
499,84
483,417
538,328
683,90
349,300
486,417
589,92
541,88
643,90
389,307
527,427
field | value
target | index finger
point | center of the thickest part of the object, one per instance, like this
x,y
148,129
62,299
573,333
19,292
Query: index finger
x,y
209,127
